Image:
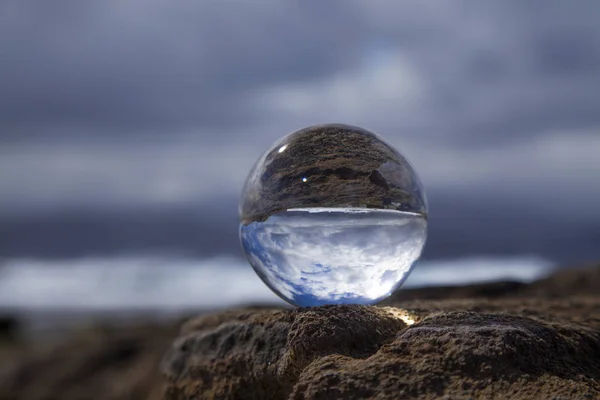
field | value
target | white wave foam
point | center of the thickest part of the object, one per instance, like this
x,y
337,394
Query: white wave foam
x,y
164,283
346,210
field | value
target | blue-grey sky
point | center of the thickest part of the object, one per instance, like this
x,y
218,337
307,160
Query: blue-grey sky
x,y
126,111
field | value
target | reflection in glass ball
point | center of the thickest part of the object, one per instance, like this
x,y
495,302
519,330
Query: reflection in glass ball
x,y
331,214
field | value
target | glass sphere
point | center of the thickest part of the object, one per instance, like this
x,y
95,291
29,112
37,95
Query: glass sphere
x,y
331,214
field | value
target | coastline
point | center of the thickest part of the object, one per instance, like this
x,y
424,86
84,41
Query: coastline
x,y
102,359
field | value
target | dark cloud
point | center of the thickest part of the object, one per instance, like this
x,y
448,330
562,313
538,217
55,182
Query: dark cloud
x,y
490,70
142,66
116,107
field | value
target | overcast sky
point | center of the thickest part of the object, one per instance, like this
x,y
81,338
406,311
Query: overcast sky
x,y
122,106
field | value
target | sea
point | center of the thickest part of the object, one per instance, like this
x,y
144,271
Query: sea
x,y
164,283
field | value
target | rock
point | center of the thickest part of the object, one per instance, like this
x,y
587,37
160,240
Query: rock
x,y
456,348
490,290
480,341
95,363
260,354
10,328
567,282
563,283
465,354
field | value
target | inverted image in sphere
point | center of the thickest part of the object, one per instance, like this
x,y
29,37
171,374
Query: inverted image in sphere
x,y
332,214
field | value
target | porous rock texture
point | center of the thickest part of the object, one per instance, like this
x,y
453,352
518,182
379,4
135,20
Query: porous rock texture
x,y
523,347
503,340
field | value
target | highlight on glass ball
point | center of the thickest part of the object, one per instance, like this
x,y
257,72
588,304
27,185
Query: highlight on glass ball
x,y
332,214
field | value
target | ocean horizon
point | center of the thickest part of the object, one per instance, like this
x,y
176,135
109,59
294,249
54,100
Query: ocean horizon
x,y
171,283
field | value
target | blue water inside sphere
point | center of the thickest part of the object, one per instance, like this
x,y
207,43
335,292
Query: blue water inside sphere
x,y
332,214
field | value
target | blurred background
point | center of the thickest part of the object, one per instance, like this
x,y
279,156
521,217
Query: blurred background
x,y
127,129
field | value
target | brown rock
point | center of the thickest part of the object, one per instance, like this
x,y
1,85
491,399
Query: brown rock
x,y
563,283
260,354
524,348
568,282
465,355
95,363
479,341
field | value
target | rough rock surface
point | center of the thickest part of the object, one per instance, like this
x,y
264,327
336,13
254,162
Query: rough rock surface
x,y
531,345
260,354
498,340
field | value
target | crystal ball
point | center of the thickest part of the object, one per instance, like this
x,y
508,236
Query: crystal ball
x,y
332,214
